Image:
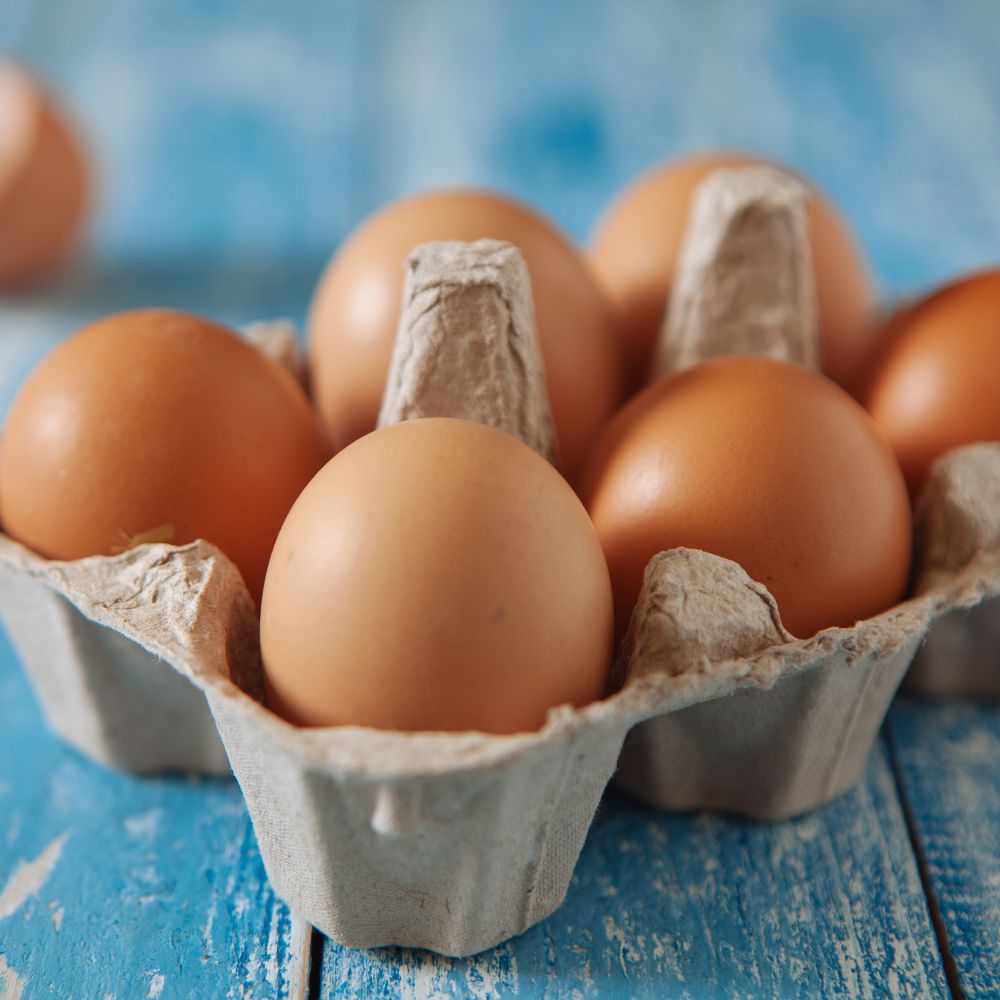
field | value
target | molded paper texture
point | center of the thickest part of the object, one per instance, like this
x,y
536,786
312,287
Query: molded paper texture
x,y
744,281
959,515
467,345
123,700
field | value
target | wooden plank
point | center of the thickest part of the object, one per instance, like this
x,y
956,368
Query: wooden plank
x,y
116,887
948,760
692,906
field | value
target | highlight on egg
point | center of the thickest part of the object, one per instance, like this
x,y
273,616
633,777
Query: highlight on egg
x,y
157,425
637,243
44,185
436,574
765,463
356,307
935,383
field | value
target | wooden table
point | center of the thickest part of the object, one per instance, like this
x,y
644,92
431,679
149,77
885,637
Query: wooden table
x,y
236,146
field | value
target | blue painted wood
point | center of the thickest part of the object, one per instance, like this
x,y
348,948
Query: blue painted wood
x,y
235,145
829,905
948,756
112,887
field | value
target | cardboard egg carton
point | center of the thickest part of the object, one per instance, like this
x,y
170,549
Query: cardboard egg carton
x,y
113,697
457,841
958,523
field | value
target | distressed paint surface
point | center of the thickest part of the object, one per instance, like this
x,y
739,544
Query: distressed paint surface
x,y
114,887
696,907
949,766
235,148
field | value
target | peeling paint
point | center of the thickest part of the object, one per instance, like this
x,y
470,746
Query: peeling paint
x,y
30,876
143,826
11,985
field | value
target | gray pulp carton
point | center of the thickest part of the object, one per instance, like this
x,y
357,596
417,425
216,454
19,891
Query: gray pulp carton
x,y
110,697
457,841
958,522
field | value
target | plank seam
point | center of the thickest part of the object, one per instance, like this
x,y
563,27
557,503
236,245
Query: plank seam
x,y
315,989
940,931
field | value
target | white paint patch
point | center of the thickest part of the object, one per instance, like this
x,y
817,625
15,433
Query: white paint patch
x,y
58,912
149,874
29,877
271,956
485,978
206,931
297,969
156,983
144,825
11,985
978,747
428,979
615,933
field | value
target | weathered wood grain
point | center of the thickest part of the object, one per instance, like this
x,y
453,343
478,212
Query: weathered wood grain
x,y
115,887
829,905
948,759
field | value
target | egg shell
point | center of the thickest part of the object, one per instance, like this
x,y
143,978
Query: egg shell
x,y
768,464
116,700
156,425
636,247
44,183
356,308
935,382
437,574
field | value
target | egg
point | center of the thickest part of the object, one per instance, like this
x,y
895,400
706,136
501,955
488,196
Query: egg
x,y
157,425
636,246
43,179
765,463
935,383
356,307
436,574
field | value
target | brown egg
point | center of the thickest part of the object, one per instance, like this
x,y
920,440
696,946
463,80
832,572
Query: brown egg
x,y
436,575
43,179
157,426
765,463
636,246
936,379
353,318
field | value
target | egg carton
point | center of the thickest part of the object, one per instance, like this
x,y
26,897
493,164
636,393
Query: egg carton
x,y
457,841
960,655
